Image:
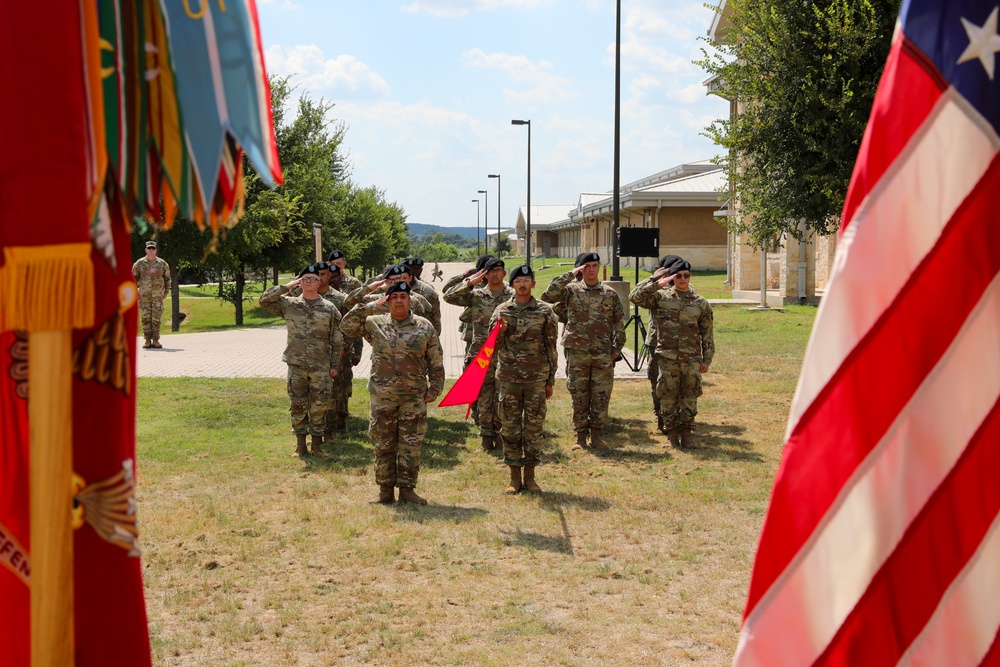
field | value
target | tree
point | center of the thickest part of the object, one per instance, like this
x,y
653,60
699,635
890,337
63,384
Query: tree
x,y
803,74
436,252
503,245
372,232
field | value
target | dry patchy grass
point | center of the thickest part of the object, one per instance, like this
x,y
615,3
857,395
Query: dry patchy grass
x,y
637,556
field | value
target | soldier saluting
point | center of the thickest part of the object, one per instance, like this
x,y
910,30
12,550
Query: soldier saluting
x,y
685,345
312,353
407,373
592,339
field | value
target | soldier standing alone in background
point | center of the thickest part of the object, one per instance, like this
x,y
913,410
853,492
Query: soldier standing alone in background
x,y
407,373
526,359
152,275
592,340
312,353
684,348
481,300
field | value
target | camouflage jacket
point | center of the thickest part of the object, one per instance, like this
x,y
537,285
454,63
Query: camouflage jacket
x,y
683,321
314,339
480,302
466,317
153,277
427,291
348,283
364,294
595,319
336,297
526,351
406,355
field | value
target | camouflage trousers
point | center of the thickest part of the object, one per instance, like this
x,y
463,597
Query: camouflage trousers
x,y
484,409
590,378
397,425
653,373
522,415
342,388
309,391
469,355
151,307
678,389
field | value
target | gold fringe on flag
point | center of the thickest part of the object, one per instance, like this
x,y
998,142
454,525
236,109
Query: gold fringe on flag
x,y
47,288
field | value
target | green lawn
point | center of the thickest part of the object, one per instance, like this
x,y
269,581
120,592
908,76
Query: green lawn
x,y
639,555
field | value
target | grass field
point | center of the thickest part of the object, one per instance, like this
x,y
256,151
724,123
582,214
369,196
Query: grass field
x,y
636,556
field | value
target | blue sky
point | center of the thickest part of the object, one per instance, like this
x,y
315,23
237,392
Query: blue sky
x,y
427,90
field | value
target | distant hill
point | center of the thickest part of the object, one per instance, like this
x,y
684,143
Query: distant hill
x,y
418,230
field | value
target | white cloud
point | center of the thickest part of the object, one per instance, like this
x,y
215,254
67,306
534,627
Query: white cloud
x,y
449,9
535,82
687,94
643,24
317,73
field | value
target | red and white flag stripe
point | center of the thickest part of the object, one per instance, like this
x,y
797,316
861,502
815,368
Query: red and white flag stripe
x,y
881,544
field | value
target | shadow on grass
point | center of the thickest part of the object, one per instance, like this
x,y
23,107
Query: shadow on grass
x,y
433,512
555,500
517,538
631,440
722,442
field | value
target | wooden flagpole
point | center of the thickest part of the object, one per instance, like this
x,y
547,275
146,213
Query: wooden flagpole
x,y
50,416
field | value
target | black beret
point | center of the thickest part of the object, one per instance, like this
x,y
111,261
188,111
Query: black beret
x,y
312,269
585,257
333,268
668,260
394,270
413,261
493,262
481,261
322,266
336,254
679,265
401,286
521,272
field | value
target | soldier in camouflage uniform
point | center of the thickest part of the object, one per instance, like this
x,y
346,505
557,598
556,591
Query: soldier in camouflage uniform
x,y
526,359
653,369
592,340
353,347
407,374
465,318
426,290
152,275
481,300
684,348
312,353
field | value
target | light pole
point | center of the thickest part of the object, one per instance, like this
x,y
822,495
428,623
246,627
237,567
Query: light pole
x,y
497,176
486,213
527,232
615,211
477,226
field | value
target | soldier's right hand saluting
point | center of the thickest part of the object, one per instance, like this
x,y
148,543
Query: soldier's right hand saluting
x,y
477,277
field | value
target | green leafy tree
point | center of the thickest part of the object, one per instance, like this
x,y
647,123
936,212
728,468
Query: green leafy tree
x,y
803,74
503,245
370,230
436,252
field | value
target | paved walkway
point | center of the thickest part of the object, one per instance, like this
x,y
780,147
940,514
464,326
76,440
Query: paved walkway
x,y
257,352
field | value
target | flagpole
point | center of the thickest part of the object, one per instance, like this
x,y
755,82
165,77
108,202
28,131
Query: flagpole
x,y
50,416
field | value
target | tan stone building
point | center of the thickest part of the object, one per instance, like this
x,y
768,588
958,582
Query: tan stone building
x,y
681,202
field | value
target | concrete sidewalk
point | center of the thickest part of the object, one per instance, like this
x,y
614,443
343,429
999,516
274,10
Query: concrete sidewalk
x,y
257,352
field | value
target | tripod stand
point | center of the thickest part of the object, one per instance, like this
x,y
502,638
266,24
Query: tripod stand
x,y
639,355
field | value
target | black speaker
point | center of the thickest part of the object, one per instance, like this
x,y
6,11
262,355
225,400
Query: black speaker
x,y
638,242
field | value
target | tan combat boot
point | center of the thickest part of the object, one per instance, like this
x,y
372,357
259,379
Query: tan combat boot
x,y
687,438
596,440
317,447
148,344
515,480
156,344
386,495
407,495
529,480
673,437
581,441
300,445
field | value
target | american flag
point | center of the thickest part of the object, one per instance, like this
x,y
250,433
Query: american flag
x,y
881,545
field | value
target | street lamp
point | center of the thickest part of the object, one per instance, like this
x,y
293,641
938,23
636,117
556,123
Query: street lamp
x,y
615,205
477,226
486,214
497,176
527,232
